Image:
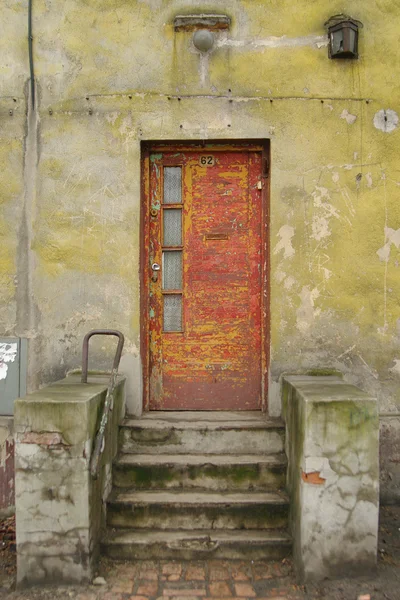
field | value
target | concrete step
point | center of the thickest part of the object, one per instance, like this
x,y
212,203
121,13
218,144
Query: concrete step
x,y
196,545
206,471
202,433
197,510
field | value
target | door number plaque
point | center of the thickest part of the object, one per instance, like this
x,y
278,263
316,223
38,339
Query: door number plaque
x,y
207,161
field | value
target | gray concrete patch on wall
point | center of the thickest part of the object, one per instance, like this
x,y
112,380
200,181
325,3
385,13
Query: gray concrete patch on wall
x,y
333,476
59,506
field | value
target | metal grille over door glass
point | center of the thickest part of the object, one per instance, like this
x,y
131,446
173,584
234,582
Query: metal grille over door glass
x,y
172,270
172,229
172,185
173,312
172,249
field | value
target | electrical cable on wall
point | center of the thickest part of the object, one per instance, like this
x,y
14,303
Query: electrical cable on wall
x,y
30,46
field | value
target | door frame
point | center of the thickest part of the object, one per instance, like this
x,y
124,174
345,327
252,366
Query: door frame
x,y
147,147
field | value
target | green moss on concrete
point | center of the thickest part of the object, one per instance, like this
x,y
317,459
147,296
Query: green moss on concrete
x,y
324,372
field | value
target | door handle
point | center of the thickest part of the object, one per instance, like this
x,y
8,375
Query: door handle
x,y
155,267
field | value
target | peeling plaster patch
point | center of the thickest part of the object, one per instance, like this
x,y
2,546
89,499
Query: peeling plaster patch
x,y
327,273
306,312
384,252
317,41
320,228
289,282
320,222
386,120
204,68
286,233
396,368
8,353
392,236
126,126
280,276
349,118
320,464
112,117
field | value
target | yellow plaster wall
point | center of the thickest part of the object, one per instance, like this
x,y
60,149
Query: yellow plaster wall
x,y
113,73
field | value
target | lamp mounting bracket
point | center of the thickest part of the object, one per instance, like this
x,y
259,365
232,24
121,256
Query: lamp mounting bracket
x,y
212,22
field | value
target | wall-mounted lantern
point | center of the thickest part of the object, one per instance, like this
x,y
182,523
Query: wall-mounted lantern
x,y
203,40
343,36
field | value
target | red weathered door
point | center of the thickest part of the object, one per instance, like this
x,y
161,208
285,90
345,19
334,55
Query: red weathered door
x,y
203,276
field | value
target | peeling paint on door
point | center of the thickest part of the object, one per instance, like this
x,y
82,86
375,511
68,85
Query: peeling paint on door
x,y
205,337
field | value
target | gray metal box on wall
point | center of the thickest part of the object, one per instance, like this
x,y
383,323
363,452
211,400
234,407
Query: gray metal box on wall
x,y
13,367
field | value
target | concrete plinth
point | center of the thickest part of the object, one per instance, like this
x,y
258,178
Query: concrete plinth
x,y
59,507
333,476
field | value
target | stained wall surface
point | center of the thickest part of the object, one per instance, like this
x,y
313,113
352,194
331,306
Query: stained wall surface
x,y
111,74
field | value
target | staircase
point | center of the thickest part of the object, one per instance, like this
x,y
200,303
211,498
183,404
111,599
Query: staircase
x,y
196,485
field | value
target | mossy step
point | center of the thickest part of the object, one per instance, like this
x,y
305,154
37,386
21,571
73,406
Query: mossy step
x,y
196,545
177,434
211,416
197,510
210,472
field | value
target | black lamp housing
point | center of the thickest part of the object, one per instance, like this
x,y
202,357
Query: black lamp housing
x,y
343,36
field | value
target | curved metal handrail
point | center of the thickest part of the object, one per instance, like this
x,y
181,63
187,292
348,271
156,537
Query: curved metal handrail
x,y
85,349
108,403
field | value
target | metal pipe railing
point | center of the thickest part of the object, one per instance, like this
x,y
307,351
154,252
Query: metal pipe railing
x,y
85,349
108,403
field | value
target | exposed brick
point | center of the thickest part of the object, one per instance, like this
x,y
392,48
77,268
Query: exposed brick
x,y
217,598
262,571
183,592
171,568
220,589
128,570
182,598
245,590
240,572
123,587
313,477
171,572
151,574
194,573
218,572
42,439
147,588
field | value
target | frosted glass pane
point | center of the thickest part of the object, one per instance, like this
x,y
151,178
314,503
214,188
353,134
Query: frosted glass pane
x,y
173,312
337,41
172,270
172,185
173,227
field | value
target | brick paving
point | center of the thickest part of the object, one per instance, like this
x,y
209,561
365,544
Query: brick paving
x,y
219,580
205,580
